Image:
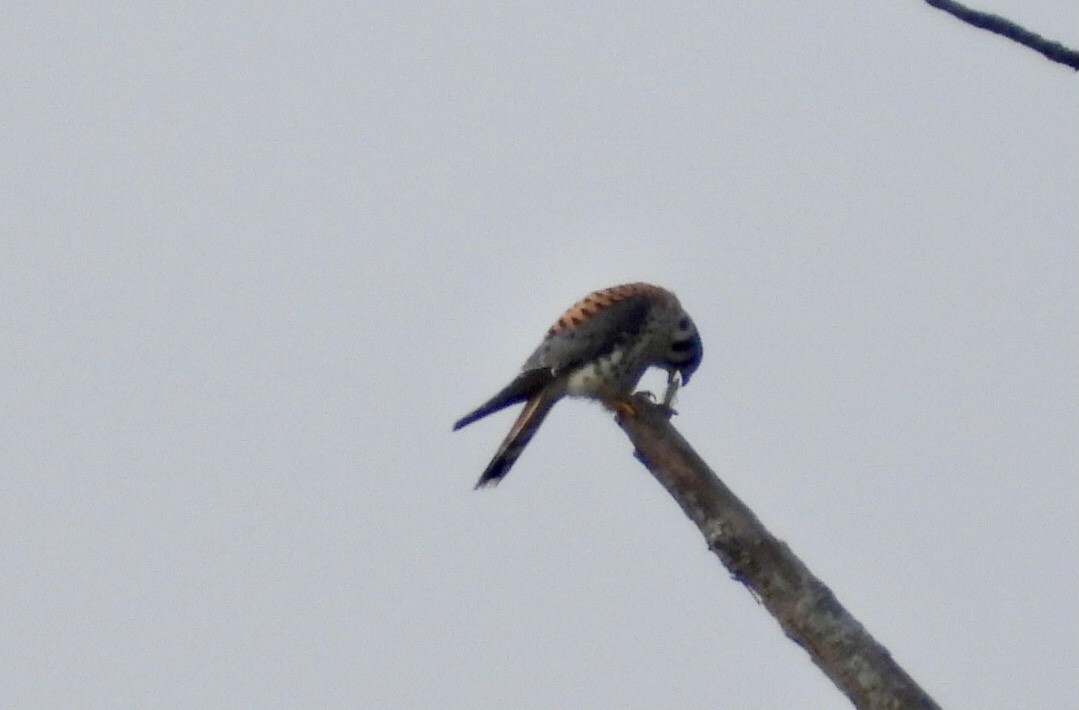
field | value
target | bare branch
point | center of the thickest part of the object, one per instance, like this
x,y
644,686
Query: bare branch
x,y
1006,28
806,609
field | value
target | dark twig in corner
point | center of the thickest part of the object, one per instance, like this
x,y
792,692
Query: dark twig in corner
x,y
806,609
1006,28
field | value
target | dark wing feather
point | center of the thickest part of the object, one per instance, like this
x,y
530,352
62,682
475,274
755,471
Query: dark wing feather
x,y
524,386
590,337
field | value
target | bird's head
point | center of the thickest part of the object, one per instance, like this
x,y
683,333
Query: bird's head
x,y
685,351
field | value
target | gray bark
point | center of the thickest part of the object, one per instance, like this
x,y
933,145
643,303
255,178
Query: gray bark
x,y
805,608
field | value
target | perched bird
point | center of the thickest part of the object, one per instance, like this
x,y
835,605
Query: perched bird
x,y
598,349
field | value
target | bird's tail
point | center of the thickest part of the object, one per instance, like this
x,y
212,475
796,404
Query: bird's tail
x,y
536,409
524,386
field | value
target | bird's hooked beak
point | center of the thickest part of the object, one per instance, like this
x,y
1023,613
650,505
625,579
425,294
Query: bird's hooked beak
x,y
681,375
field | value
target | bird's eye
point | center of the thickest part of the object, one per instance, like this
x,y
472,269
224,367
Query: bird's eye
x,y
683,324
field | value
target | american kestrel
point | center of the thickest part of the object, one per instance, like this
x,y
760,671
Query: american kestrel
x,y
599,349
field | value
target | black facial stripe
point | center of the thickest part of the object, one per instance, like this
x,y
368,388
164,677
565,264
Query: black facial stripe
x,y
680,346
682,361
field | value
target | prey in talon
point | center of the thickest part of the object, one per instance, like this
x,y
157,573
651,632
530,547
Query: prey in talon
x,y
598,349
674,381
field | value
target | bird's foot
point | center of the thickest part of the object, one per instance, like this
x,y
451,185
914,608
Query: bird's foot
x,y
668,410
663,405
630,407
622,407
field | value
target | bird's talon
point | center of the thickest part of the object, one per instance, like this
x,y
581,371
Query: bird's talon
x,y
623,408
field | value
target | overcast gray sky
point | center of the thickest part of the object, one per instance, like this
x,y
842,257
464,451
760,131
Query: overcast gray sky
x,y
256,260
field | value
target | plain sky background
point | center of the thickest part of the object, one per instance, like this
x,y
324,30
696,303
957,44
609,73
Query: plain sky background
x,y
256,259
